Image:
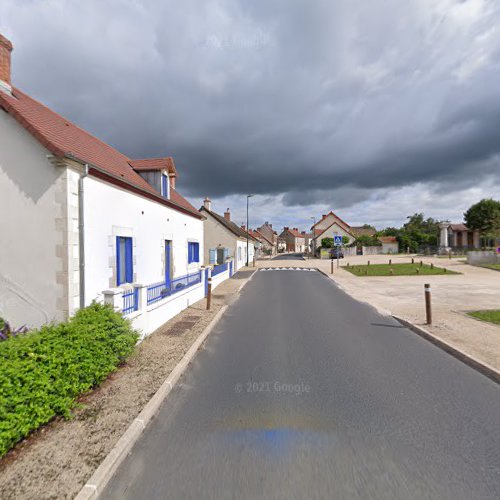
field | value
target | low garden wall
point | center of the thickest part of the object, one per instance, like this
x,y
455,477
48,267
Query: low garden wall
x,y
483,257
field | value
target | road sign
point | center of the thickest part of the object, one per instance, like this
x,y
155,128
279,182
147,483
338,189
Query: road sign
x,y
337,240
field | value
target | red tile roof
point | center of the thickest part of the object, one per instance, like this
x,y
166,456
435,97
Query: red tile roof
x,y
295,233
336,216
388,239
64,139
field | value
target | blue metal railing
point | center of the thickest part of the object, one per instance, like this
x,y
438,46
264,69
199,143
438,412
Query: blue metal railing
x,y
159,291
130,301
219,269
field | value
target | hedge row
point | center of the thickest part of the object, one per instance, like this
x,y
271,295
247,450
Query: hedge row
x,y
44,371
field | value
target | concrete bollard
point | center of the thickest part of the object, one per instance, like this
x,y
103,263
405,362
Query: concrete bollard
x,y
421,264
412,260
209,294
432,265
390,262
368,262
428,306
331,266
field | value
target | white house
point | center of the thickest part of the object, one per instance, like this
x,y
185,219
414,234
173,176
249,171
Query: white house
x,y
328,226
224,239
81,221
389,244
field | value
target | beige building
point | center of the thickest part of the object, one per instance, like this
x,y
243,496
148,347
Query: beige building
x,y
223,238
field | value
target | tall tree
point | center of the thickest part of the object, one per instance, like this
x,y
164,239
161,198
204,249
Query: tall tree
x,y
484,216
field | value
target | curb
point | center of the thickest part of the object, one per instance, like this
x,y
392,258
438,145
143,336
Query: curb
x,y
115,457
484,368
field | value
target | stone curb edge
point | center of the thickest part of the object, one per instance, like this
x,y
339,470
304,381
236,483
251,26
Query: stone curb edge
x,y
115,457
469,360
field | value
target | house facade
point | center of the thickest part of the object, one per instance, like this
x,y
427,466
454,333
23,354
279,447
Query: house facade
x,y
224,239
328,226
83,222
389,244
266,248
294,240
270,235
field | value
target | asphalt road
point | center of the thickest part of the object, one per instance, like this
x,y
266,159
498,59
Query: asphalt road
x,y
302,392
289,256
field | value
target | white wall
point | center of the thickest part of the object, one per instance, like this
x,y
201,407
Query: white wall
x,y
390,248
32,216
111,212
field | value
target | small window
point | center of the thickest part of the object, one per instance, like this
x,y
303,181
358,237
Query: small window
x,y
165,186
193,252
124,261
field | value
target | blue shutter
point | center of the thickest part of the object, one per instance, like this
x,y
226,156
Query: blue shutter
x,y
212,255
129,264
164,186
197,252
119,279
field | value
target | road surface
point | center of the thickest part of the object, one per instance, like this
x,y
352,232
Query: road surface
x,y
289,256
302,392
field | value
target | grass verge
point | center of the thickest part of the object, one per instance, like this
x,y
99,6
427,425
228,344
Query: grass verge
x,y
397,270
44,371
491,316
495,267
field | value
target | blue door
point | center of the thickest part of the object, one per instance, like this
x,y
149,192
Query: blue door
x,y
168,261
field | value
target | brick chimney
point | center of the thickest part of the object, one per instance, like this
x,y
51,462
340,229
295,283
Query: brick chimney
x,y
5,53
207,203
227,215
171,178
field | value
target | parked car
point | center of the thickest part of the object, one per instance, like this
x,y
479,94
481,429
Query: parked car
x,y
336,253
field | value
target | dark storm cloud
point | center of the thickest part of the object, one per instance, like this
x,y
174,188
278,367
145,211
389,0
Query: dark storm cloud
x,y
313,99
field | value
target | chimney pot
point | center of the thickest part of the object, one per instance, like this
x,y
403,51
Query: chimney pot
x,y
5,63
207,203
227,215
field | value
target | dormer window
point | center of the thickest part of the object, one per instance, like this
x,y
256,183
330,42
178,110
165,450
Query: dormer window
x,y
165,186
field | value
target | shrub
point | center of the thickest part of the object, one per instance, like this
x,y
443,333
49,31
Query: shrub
x,y
44,371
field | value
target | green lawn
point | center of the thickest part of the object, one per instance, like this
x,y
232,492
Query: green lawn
x,y
495,267
397,270
492,316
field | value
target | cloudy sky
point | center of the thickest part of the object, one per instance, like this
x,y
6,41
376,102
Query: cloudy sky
x,y
374,109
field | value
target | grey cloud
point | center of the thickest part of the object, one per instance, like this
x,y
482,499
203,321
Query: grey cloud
x,y
316,100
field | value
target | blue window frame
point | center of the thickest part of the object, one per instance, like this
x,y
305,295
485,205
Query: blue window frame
x,y
124,260
193,252
164,186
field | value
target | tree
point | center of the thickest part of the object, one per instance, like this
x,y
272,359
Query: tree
x,y
484,216
345,240
327,242
367,241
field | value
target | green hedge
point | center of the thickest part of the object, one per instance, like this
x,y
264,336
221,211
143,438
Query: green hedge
x,y
44,371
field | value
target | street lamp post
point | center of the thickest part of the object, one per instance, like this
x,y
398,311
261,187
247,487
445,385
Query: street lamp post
x,y
248,197
312,236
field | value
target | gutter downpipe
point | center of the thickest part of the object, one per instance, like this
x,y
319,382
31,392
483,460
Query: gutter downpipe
x,y
81,233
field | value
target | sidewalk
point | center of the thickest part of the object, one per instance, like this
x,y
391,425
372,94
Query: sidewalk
x,y
57,460
452,296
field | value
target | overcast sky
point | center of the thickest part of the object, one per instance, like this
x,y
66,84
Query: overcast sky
x,y
374,109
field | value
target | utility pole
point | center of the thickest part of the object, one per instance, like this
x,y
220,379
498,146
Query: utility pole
x,y
248,198
312,237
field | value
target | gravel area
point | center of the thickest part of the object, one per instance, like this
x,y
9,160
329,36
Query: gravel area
x,y
56,460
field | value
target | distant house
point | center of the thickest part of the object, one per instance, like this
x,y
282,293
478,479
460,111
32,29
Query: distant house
x,y
307,241
223,238
271,236
265,247
389,244
328,226
81,221
458,236
294,240
281,244
366,230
